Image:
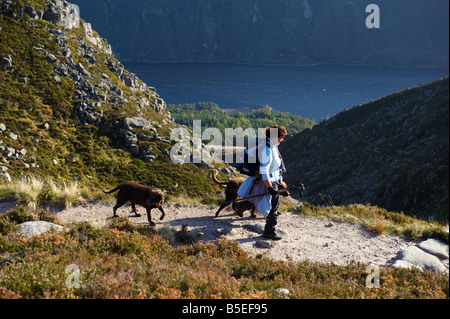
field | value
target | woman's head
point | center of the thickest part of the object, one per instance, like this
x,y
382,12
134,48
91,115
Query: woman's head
x,y
276,133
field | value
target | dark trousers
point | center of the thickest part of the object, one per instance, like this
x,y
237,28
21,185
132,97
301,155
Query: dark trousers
x,y
271,219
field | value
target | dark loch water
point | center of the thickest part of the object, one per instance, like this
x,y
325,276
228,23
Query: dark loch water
x,y
317,91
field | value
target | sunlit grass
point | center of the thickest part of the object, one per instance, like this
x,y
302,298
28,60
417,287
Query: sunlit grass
x,y
67,194
27,191
34,192
378,220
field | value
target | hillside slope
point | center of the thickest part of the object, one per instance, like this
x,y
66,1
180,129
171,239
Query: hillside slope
x,y
392,152
411,33
70,111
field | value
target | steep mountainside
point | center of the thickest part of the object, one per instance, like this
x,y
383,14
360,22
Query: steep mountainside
x,y
411,33
69,109
392,152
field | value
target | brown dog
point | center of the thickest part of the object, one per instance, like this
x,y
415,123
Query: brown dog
x,y
231,189
146,196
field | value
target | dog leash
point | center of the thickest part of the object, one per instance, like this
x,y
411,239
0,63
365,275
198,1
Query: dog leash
x,y
299,187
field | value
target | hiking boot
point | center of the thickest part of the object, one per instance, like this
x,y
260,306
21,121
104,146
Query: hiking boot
x,y
271,236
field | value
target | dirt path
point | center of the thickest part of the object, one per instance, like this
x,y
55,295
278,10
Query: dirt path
x,y
304,238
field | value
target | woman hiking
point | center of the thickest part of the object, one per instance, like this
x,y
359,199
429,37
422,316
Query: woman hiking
x,y
271,167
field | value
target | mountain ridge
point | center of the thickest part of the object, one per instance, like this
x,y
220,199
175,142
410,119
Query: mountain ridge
x,y
412,33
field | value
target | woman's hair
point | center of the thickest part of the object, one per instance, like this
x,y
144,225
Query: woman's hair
x,y
281,131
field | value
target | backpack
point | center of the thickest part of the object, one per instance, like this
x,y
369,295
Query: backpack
x,y
247,168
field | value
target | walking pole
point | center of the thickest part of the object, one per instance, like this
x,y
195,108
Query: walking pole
x,y
300,187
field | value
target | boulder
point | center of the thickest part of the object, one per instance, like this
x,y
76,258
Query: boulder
x,y
435,247
130,80
131,123
404,264
421,259
33,228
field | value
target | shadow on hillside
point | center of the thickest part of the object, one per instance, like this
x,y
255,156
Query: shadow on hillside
x,y
228,223
6,206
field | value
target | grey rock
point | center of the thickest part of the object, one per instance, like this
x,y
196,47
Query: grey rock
x,y
82,70
130,80
33,228
62,13
264,243
33,13
51,58
435,247
404,264
114,68
131,123
22,79
7,60
89,112
130,138
5,176
149,158
282,293
421,259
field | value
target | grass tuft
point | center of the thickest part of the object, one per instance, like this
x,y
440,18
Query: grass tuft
x,y
28,191
67,195
34,192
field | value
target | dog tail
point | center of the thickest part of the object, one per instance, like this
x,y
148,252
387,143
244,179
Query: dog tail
x,y
112,190
215,180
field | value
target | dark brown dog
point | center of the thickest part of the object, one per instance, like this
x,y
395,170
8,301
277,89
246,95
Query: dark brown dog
x,y
231,189
146,196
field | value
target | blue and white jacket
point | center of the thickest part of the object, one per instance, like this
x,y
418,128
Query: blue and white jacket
x,y
270,169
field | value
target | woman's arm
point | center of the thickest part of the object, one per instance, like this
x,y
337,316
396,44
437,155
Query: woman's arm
x,y
265,164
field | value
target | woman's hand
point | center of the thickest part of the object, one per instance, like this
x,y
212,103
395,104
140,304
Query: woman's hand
x,y
272,191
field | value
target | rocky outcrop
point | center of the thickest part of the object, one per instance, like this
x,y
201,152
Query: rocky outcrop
x,y
60,13
91,91
104,94
135,129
